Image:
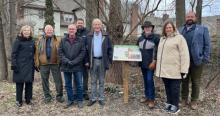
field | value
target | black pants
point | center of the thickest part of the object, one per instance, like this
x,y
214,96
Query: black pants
x,y
28,91
172,87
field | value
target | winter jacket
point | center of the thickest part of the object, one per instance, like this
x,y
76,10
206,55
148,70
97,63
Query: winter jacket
x,y
82,34
107,50
71,55
40,53
148,47
23,60
200,47
172,57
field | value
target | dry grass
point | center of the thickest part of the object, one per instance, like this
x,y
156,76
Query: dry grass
x,y
209,106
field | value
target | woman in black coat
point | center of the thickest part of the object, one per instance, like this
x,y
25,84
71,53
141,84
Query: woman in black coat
x,y
23,64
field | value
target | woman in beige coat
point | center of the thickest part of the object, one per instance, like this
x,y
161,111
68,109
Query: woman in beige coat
x,y
172,64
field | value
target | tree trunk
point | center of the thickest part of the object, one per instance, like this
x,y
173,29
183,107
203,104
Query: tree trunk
x,y
12,11
180,13
91,12
11,36
199,11
115,29
3,58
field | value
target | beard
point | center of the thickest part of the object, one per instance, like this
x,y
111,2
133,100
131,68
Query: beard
x,y
190,22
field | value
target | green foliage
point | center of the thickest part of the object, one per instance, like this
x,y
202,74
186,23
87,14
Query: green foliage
x,y
49,19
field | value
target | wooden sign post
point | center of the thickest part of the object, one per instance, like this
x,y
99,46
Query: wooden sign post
x,y
125,74
126,53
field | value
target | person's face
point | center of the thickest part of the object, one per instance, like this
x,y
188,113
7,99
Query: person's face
x,y
148,30
97,26
169,29
190,18
79,24
26,32
72,30
48,31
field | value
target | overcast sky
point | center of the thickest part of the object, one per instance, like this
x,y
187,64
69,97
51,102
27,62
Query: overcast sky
x,y
166,6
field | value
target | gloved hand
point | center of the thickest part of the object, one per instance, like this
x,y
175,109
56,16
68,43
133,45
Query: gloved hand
x,y
183,75
70,63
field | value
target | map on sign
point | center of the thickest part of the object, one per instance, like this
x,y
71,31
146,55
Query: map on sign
x,y
126,53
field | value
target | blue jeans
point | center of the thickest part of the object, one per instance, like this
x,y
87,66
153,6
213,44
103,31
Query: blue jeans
x,y
149,89
78,81
172,87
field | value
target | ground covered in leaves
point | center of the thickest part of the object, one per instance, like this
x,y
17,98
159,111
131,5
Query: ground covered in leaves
x,y
209,105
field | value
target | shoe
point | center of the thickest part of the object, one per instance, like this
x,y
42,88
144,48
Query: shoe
x,y
91,103
167,107
18,104
86,96
144,100
80,105
47,100
193,105
69,104
101,102
60,99
28,102
151,104
174,109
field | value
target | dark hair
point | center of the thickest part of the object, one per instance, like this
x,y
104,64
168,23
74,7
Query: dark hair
x,y
80,19
164,27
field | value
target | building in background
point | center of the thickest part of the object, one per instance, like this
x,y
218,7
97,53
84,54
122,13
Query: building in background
x,y
65,13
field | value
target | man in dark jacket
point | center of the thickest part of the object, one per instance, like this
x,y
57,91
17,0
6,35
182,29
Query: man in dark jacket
x,y
148,43
99,49
82,33
72,52
198,40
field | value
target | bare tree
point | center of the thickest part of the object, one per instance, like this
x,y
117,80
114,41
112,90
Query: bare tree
x,y
92,9
115,29
180,12
12,11
114,13
3,59
192,4
199,11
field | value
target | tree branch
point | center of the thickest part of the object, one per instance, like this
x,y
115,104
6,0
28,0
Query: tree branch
x,y
142,19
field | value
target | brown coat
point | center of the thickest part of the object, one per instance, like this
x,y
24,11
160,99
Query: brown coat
x,y
40,52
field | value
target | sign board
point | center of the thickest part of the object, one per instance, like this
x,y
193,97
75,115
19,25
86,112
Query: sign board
x,y
126,53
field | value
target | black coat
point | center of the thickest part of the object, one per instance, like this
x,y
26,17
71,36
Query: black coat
x,y
72,55
149,52
23,60
107,50
82,34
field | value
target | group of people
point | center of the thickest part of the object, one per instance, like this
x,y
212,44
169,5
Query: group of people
x,y
175,56
74,55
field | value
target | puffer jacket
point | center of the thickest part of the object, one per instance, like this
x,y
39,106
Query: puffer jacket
x,y
172,57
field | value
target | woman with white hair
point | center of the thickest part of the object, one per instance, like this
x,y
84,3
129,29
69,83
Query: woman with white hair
x,y
23,64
